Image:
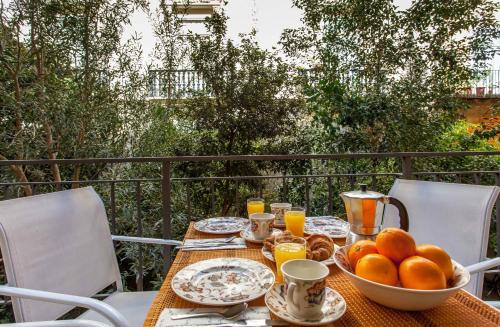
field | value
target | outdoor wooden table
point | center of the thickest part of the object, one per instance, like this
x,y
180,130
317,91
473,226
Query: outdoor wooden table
x,y
462,309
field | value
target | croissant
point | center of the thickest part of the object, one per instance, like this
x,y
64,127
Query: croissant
x,y
319,247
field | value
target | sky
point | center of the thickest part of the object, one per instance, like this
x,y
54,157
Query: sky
x,y
271,18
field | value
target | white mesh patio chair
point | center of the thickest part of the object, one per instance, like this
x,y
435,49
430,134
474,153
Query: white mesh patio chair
x,y
453,216
59,323
58,252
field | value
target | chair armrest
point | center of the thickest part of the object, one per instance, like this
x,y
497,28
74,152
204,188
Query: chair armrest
x,y
483,265
145,240
494,304
59,323
110,313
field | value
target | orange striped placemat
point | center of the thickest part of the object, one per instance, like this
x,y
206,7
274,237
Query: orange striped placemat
x,y
462,309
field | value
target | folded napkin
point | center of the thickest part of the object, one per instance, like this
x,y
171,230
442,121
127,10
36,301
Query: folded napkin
x,y
211,244
165,321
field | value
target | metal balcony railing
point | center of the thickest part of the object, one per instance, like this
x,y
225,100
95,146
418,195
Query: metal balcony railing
x,y
174,84
314,188
178,84
486,87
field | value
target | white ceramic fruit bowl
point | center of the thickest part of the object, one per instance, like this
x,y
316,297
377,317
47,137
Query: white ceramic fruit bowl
x,y
397,297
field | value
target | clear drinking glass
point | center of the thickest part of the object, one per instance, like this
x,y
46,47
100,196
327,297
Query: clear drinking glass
x,y
255,205
295,219
285,250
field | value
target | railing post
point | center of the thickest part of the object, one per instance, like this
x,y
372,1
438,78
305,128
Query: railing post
x,y
330,196
285,189
406,163
166,201
140,269
352,177
212,196
6,191
308,209
477,178
113,208
497,180
188,200
236,197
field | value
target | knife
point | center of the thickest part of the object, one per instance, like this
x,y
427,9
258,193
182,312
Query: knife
x,y
243,323
207,245
254,323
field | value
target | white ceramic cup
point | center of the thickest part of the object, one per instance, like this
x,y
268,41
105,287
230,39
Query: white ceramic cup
x,y
261,225
305,287
279,209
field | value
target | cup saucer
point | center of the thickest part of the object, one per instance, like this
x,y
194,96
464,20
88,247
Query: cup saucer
x,y
248,235
333,308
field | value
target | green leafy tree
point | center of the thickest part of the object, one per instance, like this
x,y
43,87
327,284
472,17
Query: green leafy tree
x,y
250,101
71,87
388,78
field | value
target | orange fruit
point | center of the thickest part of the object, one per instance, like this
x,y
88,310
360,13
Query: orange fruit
x,y
396,244
421,274
359,250
377,268
437,255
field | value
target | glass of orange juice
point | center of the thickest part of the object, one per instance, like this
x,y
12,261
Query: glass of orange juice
x,y
285,250
295,219
255,205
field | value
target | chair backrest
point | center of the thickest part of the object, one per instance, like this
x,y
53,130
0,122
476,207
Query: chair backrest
x,y
58,242
455,217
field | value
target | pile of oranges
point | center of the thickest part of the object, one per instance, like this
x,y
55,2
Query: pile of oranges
x,y
394,259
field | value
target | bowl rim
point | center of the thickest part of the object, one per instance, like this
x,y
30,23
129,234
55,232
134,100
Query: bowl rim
x,y
402,289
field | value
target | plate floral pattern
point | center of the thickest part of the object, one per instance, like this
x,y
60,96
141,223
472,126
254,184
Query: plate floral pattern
x,y
248,236
330,261
221,225
333,308
331,226
223,281
342,259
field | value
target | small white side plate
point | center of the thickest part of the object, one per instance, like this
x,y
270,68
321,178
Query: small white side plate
x,y
331,226
221,225
248,236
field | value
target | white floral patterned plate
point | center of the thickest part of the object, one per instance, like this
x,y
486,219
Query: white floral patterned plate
x,y
221,225
331,226
223,281
330,261
333,308
248,235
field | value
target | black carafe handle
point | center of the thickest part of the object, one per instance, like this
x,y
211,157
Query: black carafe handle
x,y
404,223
